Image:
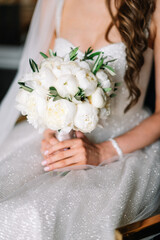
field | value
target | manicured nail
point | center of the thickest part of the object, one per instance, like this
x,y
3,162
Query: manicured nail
x,y
46,169
44,163
46,152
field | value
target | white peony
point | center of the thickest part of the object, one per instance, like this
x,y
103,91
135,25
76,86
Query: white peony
x,y
103,79
67,86
32,105
104,112
47,78
87,81
98,98
51,62
21,101
86,118
83,64
60,114
42,79
66,68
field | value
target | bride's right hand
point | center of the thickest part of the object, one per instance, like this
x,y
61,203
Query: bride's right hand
x,y
47,137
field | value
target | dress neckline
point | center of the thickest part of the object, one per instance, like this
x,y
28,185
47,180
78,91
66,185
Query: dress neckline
x,y
100,49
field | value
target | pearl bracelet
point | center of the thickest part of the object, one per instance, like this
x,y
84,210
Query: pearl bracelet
x,y
116,147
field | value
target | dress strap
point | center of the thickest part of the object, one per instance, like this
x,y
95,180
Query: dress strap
x,y
59,16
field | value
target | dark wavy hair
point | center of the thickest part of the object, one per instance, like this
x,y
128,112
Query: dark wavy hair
x,y
132,21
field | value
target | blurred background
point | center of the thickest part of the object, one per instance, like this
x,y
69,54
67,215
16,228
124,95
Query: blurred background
x,y
15,17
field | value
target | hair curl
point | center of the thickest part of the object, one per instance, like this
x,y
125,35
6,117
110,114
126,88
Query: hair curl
x,y
132,21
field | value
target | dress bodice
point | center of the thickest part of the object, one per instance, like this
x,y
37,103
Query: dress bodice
x,y
117,119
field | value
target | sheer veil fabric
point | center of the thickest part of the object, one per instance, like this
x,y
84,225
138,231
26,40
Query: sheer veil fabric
x,y
39,37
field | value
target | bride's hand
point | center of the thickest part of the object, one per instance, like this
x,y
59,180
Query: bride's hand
x,y
79,152
48,136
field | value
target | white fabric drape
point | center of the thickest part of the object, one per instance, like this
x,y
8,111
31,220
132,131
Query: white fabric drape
x,y
39,37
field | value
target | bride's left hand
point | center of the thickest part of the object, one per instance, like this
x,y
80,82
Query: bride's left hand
x,y
73,152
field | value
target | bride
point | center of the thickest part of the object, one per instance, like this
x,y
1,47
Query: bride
x,y
114,176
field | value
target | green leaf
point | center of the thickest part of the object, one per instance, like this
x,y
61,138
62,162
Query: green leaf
x,y
107,89
88,55
98,63
73,54
109,69
64,173
117,84
52,54
56,98
80,95
52,89
33,65
99,84
43,55
53,92
113,95
23,86
113,60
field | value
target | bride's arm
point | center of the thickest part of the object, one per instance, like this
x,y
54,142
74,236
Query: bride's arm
x,y
147,131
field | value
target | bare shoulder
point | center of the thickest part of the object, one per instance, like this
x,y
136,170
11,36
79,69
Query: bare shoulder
x,y
155,23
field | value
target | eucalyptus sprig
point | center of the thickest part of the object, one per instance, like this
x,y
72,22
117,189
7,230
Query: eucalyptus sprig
x,y
51,53
73,54
44,55
80,95
53,93
89,55
98,63
24,87
33,65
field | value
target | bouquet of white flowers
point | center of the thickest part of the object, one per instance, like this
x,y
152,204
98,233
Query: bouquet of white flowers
x,y
69,93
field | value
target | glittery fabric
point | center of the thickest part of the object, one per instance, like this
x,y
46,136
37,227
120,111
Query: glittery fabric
x,y
87,203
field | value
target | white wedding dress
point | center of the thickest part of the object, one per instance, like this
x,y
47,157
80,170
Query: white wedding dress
x,y
83,204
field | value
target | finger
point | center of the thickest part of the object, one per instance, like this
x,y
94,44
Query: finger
x,y
65,144
53,141
48,134
44,146
82,136
64,163
59,156
79,134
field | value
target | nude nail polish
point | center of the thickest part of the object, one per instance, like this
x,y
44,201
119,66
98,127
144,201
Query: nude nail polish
x,y
44,163
46,152
46,169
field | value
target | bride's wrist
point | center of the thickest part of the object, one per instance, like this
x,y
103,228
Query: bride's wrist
x,y
106,151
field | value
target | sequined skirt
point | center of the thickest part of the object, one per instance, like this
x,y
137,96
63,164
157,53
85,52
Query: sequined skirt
x,y
83,204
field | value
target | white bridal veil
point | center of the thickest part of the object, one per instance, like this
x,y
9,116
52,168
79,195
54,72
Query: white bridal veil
x,y
39,37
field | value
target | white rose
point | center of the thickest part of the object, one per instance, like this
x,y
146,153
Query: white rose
x,y
87,81
103,79
98,98
86,118
60,114
67,85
